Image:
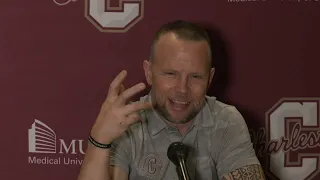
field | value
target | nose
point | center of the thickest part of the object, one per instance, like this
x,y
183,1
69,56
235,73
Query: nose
x,y
182,84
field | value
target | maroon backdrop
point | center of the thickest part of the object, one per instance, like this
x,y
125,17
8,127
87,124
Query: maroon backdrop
x,y
58,57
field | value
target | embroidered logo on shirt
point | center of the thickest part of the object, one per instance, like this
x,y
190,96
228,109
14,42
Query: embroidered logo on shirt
x,y
150,166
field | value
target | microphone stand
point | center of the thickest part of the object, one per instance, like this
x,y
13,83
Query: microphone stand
x,y
177,153
182,168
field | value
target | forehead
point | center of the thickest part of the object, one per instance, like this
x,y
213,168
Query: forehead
x,y
172,51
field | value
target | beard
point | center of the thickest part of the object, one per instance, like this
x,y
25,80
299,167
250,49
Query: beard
x,y
161,108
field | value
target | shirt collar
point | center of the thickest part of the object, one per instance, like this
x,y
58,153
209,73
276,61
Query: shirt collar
x,y
204,118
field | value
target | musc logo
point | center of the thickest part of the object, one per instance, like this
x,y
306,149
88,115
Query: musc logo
x,y
43,141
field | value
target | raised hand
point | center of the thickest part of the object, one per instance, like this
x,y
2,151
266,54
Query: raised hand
x,y
116,115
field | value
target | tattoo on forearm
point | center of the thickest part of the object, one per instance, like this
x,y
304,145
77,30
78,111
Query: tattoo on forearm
x,y
250,172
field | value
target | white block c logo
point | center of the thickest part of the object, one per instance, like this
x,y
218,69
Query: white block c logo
x,y
114,19
304,114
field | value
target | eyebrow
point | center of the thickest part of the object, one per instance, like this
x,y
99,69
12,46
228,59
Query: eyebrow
x,y
192,73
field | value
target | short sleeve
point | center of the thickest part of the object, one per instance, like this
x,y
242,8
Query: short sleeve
x,y
236,149
120,153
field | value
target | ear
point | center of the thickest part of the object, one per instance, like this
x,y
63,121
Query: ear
x,y
212,71
147,71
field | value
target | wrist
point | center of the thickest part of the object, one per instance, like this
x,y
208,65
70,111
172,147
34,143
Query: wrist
x,y
100,137
99,144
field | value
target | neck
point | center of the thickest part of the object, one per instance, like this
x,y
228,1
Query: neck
x,y
183,127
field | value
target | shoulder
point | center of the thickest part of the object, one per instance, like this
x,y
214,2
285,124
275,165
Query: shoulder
x,y
233,150
224,114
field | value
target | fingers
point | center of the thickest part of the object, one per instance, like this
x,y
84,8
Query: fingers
x,y
116,85
127,94
121,89
132,112
135,107
132,118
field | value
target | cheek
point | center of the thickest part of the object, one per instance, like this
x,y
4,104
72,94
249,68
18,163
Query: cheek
x,y
161,90
163,85
198,89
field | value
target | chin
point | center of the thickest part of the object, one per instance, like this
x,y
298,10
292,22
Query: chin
x,y
178,119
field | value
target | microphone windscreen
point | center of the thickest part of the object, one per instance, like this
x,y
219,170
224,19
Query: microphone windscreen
x,y
175,150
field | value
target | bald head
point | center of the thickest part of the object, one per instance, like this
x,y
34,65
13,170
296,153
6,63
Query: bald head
x,y
182,31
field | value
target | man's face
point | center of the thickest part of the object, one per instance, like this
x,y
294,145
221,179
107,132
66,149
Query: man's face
x,y
180,76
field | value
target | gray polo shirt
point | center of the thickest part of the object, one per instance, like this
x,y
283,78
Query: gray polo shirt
x,y
219,143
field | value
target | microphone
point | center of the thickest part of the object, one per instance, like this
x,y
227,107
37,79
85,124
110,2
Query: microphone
x,y
178,153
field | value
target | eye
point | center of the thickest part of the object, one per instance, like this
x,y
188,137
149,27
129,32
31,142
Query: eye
x,y
169,73
195,76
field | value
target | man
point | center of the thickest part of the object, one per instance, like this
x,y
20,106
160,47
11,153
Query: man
x,y
130,140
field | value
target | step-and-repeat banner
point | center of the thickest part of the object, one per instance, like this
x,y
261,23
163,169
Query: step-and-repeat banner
x,y
58,57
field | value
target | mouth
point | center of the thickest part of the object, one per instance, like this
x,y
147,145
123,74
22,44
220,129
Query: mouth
x,y
179,105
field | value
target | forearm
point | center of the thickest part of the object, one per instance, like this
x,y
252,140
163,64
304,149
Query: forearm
x,y
96,164
250,172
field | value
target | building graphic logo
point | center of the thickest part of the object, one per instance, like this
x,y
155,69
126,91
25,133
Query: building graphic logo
x,y
42,139
46,148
